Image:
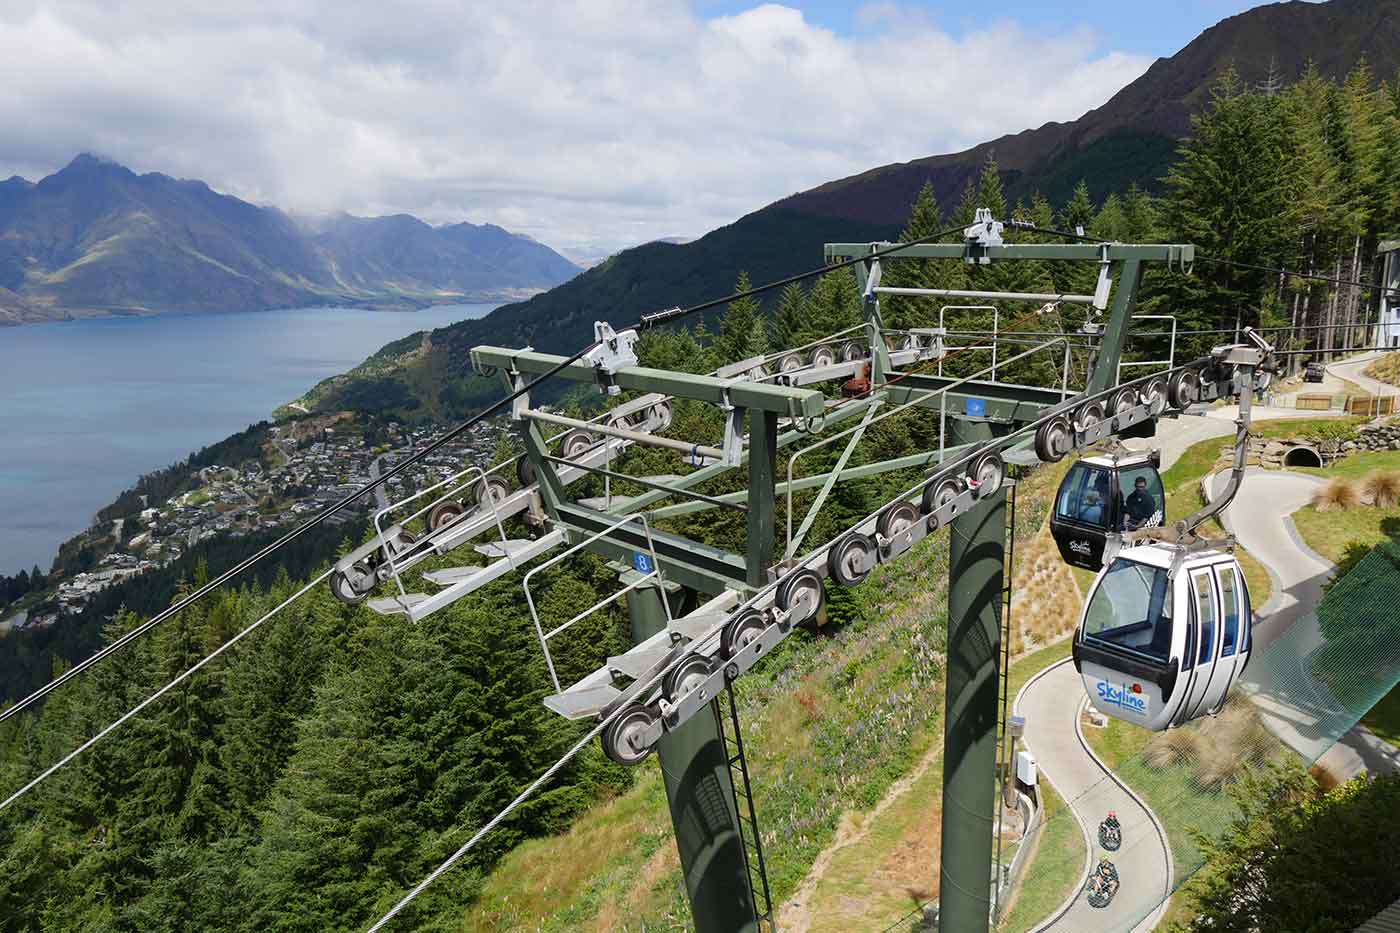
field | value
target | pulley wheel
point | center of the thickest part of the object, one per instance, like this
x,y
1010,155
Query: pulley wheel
x,y
909,342
939,494
1053,440
445,513
852,350
575,443
491,491
790,362
987,471
660,415
801,595
823,356
353,586
1183,389
1123,401
897,518
525,471
1089,414
622,737
851,559
1155,393
740,632
689,673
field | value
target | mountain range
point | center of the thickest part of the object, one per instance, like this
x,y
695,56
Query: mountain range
x,y
1130,139
96,238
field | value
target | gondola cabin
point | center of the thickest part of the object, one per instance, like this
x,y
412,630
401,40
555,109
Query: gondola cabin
x,y
1105,495
1159,647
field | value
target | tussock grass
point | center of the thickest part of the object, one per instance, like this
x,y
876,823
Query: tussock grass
x,y
1337,496
1217,749
1382,490
1386,369
1045,599
1173,747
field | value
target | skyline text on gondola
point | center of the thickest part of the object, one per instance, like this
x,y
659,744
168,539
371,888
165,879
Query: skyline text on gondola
x,y
1120,696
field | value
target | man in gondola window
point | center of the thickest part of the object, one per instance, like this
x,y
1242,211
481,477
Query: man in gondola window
x,y
1140,506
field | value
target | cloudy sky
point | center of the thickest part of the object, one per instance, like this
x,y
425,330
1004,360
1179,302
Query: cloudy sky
x,y
590,125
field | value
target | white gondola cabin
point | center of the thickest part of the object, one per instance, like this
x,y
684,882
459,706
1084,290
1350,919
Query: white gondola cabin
x,y
1160,645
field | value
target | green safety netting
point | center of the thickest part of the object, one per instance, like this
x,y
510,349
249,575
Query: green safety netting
x,y
1301,693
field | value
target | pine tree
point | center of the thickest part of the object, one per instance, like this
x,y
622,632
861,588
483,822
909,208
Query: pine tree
x,y
790,318
1227,191
967,205
989,191
900,312
737,326
1079,212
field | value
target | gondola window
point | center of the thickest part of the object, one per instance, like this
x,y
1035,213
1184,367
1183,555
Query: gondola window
x,y
1131,609
1205,612
1230,602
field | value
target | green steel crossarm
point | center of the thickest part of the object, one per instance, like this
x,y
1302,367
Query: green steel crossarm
x,y
690,480
795,540
1174,253
927,458
780,400
690,563
1001,403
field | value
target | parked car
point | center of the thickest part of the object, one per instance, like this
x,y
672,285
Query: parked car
x,y
1313,373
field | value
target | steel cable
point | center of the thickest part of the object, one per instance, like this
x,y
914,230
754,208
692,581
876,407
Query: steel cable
x,y
646,321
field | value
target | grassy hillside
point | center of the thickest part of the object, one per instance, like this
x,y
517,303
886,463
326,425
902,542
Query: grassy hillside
x,y
843,734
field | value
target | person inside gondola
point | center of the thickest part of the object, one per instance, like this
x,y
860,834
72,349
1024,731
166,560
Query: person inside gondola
x,y
1139,507
1092,510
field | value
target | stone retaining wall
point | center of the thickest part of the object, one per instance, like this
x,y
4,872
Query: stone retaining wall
x,y
1375,437
1272,452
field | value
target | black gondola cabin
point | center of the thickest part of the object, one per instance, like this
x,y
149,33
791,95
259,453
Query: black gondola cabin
x,y
1106,495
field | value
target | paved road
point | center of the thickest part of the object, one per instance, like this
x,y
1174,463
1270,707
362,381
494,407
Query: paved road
x,y
381,497
1306,718
1174,436
1051,704
1353,371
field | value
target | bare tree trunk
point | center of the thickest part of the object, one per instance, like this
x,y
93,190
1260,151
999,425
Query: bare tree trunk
x,y
1329,333
1354,298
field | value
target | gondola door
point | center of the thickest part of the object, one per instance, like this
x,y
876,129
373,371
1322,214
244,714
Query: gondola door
x,y
1201,598
1234,631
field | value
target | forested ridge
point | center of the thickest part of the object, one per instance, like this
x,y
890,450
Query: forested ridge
x,y
312,774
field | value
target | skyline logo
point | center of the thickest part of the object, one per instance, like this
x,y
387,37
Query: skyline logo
x,y
1123,697
1081,547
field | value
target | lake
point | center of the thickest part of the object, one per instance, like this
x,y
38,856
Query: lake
x,y
88,406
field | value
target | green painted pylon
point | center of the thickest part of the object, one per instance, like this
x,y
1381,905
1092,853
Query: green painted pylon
x,y
696,772
976,557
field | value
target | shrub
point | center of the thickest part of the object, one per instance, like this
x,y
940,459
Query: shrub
x,y
1175,746
1337,496
1383,490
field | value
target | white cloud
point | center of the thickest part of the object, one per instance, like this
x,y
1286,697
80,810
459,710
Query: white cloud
x,y
588,125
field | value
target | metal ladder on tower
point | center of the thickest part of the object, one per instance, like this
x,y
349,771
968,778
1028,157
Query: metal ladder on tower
x,y
749,836
1005,766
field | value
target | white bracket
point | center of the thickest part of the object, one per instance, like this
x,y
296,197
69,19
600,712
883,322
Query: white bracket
x,y
983,232
733,445
1104,284
521,404
613,352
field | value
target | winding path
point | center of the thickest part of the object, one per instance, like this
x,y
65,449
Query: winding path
x,y
1267,498
1354,371
1051,703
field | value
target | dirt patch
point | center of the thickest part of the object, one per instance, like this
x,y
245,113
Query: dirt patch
x,y
913,855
